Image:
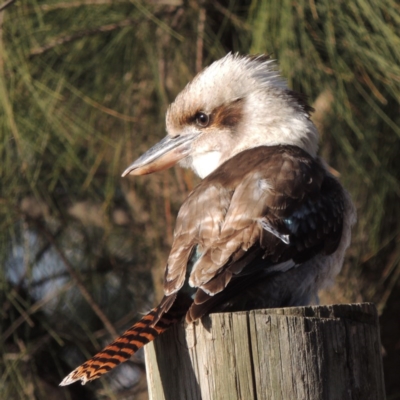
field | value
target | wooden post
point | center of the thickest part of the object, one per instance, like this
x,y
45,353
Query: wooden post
x,y
316,353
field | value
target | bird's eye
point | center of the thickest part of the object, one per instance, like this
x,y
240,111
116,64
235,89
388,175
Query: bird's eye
x,y
202,119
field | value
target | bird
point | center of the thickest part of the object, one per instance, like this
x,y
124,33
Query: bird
x,y
267,226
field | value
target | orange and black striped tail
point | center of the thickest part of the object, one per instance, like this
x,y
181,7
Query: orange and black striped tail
x,y
147,329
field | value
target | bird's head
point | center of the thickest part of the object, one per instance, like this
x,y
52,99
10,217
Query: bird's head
x,y
237,103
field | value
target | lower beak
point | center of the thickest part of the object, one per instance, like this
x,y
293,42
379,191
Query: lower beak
x,y
163,155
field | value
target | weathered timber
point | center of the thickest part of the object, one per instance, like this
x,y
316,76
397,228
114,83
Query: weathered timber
x,y
317,353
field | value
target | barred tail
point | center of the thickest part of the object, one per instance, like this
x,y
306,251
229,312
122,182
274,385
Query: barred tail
x,y
119,351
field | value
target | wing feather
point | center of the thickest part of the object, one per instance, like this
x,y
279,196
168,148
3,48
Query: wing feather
x,y
268,207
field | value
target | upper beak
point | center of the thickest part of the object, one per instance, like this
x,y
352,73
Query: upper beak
x,y
164,154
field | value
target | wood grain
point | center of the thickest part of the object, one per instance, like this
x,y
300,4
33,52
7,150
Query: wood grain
x,y
317,353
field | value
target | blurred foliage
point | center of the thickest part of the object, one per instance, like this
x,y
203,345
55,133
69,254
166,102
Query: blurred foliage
x,y
84,86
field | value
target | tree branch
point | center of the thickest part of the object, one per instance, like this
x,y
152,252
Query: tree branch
x,y
78,282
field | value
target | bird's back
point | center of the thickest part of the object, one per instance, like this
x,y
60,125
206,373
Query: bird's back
x,y
265,211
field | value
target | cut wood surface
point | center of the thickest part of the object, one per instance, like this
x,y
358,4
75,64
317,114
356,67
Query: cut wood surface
x,y
318,353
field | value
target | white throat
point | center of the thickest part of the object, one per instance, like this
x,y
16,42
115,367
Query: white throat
x,y
204,164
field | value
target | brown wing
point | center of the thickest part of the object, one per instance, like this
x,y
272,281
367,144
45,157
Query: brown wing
x,y
315,227
274,204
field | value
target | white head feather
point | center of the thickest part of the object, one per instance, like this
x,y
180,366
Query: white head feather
x,y
268,112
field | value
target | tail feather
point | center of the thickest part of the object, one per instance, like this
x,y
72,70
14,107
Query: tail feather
x,y
143,332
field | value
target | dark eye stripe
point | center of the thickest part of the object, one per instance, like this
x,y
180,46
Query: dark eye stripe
x,y
229,115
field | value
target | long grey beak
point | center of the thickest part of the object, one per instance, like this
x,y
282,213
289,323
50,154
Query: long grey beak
x,y
164,154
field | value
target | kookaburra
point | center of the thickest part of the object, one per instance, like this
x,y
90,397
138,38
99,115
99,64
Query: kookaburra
x,y
267,226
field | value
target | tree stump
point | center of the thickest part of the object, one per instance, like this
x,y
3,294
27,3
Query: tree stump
x,y
318,353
